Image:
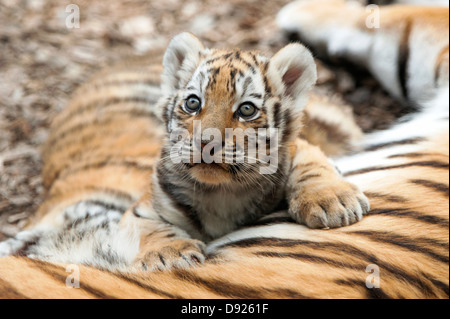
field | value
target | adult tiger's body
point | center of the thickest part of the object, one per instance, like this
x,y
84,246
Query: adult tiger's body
x,y
404,171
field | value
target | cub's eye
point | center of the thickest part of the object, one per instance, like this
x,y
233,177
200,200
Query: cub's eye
x,y
192,104
247,110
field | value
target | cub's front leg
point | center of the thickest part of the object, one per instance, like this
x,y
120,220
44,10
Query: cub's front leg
x,y
162,245
318,195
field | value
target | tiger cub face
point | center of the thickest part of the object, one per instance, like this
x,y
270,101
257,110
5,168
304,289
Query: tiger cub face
x,y
221,103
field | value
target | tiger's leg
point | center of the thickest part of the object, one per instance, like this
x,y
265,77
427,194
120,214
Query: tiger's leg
x,y
330,124
405,47
25,239
14,246
408,51
85,232
317,195
162,245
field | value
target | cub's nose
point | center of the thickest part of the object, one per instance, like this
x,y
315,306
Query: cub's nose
x,y
211,147
211,150
208,145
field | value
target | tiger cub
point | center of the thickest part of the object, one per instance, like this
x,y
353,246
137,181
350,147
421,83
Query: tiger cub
x,y
191,203
119,198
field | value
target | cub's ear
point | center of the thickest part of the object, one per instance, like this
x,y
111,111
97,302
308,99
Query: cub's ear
x,y
294,72
180,61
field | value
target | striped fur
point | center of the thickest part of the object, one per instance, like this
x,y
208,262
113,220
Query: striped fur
x,y
109,135
404,172
98,159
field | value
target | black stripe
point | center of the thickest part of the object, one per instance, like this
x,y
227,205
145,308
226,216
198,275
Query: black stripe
x,y
233,73
85,137
8,291
390,198
139,282
267,87
308,177
168,107
353,251
161,258
377,293
423,286
213,73
112,192
107,119
276,115
256,96
274,220
104,164
228,289
107,205
374,293
279,242
254,59
174,194
429,219
443,286
23,251
312,259
404,242
395,143
289,243
288,126
403,58
137,215
132,165
441,188
102,103
60,275
380,2
411,155
304,166
239,58
247,82
433,164
222,57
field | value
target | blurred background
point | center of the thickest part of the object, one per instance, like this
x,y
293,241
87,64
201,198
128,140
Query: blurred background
x,y
42,61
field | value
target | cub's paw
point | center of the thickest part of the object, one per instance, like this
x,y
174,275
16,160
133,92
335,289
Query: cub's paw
x,y
329,205
176,254
5,249
11,247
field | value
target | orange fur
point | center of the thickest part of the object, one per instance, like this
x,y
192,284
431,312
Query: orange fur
x,y
405,235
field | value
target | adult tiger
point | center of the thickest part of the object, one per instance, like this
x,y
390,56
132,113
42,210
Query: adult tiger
x,y
403,170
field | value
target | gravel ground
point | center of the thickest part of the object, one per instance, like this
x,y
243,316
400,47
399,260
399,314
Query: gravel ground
x,y
42,62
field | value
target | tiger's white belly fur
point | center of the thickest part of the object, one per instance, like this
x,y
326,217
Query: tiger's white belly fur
x,y
88,234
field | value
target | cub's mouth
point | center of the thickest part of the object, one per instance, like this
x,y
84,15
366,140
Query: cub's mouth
x,y
213,174
209,171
